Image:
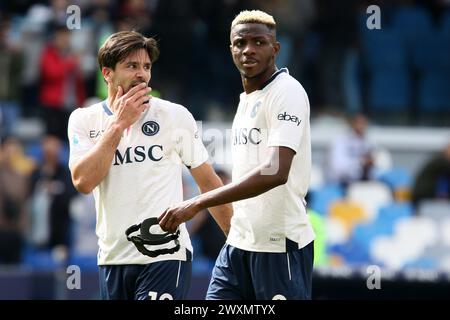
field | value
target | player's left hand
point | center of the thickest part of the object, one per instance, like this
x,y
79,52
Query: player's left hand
x,y
173,216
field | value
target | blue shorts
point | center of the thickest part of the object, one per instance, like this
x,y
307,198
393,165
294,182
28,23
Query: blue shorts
x,y
163,280
247,275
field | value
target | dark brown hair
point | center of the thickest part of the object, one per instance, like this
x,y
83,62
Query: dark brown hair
x,y
121,44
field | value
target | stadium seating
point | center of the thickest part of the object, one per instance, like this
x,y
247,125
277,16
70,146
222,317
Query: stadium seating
x,y
385,54
84,262
348,213
445,231
400,182
350,254
408,64
439,212
434,93
392,212
431,59
422,231
336,232
372,195
411,22
321,199
439,251
396,178
317,178
431,53
408,243
389,91
384,49
422,263
382,159
364,234
436,209
445,24
354,247
40,260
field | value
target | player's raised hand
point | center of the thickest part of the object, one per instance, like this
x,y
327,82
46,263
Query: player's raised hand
x,y
173,216
128,107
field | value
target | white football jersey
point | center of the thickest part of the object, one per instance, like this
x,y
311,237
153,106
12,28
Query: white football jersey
x,y
275,115
145,176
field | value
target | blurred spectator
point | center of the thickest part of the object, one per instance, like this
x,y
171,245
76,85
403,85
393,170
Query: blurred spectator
x,y
206,229
213,67
14,184
61,86
336,26
52,191
32,41
322,43
97,26
10,71
433,179
58,11
83,217
140,12
173,23
296,19
350,157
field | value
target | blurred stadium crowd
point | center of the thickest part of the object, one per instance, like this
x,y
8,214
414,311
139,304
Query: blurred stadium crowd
x,y
397,73
398,76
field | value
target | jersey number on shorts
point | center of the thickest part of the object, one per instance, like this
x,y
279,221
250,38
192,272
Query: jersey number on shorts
x,y
153,295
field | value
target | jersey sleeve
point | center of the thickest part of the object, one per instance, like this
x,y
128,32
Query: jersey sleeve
x,y
79,141
190,146
287,117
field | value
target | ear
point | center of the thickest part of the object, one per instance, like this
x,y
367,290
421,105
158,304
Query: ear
x,y
107,74
276,48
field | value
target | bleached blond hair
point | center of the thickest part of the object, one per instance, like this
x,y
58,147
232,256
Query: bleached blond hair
x,y
254,16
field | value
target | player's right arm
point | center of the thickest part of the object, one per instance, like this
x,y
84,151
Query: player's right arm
x,y
90,169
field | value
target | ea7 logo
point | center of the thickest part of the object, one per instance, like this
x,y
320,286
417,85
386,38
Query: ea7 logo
x,y
287,117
